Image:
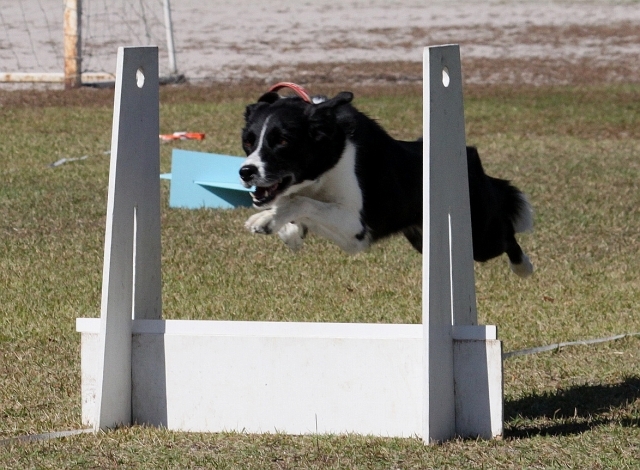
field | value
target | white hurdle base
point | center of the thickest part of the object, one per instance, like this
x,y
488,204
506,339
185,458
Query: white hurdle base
x,y
295,378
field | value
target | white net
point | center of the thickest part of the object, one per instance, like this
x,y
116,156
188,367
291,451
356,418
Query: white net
x,y
31,33
108,24
31,36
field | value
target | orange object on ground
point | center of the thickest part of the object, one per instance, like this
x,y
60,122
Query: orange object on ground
x,y
182,136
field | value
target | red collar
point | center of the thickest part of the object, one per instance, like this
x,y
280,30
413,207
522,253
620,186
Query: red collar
x,y
301,92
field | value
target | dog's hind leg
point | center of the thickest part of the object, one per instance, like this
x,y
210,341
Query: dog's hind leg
x,y
518,260
414,235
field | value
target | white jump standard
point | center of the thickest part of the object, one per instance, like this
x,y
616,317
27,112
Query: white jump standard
x,y
436,380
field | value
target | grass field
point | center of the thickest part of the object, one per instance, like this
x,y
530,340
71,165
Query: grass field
x,y
574,151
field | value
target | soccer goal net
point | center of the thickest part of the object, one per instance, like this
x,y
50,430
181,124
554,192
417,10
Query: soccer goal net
x,y
43,40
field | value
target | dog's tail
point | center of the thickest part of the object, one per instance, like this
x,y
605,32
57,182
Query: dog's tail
x,y
519,210
521,216
510,201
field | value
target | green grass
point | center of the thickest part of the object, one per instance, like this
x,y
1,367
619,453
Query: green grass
x,y
574,151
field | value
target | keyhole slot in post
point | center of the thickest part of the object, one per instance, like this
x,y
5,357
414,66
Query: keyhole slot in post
x,y
140,77
445,77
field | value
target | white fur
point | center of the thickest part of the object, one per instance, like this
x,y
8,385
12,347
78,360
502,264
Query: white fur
x,y
255,158
524,269
292,235
340,184
329,206
524,223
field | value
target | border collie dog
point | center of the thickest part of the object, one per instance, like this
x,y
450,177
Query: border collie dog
x,y
320,165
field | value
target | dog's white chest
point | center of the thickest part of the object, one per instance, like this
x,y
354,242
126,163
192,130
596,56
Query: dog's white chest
x,y
340,184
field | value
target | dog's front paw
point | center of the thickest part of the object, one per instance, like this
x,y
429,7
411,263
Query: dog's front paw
x,y
292,235
261,222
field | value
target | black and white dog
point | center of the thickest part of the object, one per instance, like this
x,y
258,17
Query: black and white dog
x,y
321,165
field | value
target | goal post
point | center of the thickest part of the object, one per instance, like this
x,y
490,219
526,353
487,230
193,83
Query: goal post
x,y
84,23
72,41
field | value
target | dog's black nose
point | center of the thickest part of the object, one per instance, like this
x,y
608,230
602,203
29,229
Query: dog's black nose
x,y
247,172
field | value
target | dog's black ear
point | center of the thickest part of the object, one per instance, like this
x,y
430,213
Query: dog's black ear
x,y
344,97
345,115
248,111
267,98
326,117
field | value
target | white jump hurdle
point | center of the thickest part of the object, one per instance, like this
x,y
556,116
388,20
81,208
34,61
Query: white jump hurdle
x,y
436,380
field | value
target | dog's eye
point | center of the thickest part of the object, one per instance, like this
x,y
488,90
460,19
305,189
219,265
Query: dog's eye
x,y
276,138
248,141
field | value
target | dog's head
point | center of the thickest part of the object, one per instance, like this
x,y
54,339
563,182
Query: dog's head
x,y
290,142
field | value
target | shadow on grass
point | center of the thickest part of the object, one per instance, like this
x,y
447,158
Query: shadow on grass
x,y
573,410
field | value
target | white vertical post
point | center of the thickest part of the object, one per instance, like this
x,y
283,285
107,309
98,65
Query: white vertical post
x,y
72,42
168,26
132,240
449,303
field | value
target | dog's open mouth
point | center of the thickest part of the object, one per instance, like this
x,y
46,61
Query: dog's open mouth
x,y
265,194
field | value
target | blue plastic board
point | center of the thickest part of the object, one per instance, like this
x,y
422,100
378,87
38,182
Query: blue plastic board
x,y
201,179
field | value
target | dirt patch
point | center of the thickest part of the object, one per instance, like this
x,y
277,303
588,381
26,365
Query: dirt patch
x,y
520,42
